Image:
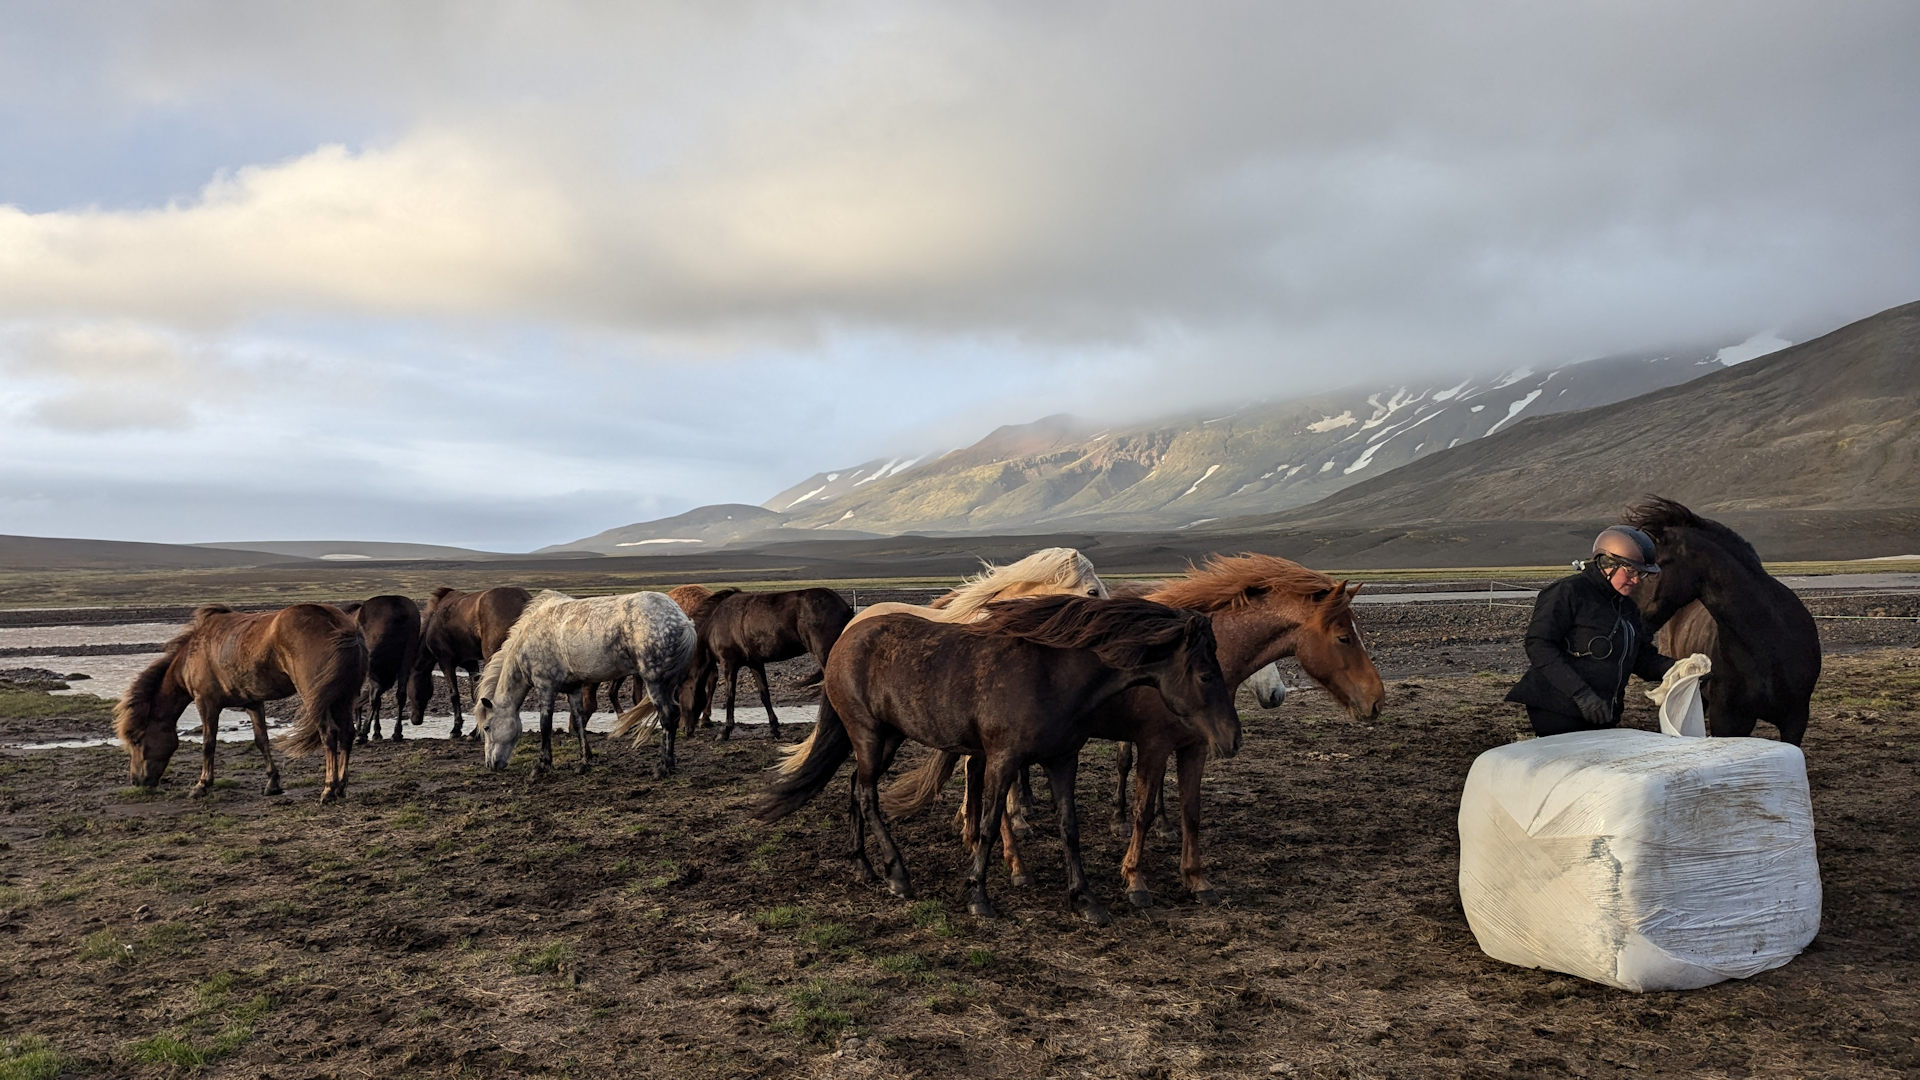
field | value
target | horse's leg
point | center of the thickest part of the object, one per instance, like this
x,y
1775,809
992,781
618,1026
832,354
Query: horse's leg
x,y
209,710
362,719
338,725
766,699
1061,772
1161,817
857,832
868,790
473,695
399,709
969,814
577,701
667,706
1192,765
998,777
545,761
732,675
1020,804
1013,827
1147,779
259,715
1792,722
1123,759
452,675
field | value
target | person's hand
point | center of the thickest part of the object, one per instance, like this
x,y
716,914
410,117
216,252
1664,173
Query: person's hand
x,y
1593,710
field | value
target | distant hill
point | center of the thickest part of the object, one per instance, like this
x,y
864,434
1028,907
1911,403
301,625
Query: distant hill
x,y
64,553
355,550
1831,424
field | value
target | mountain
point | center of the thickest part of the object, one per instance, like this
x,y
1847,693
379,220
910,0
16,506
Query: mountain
x,y
701,528
1186,471
1829,425
64,553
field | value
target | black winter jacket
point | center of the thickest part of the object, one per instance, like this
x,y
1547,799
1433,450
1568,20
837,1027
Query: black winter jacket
x,y
1584,634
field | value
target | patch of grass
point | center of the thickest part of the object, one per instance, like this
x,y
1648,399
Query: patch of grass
x,y
410,816
216,988
901,963
11,897
745,985
547,961
375,851
980,958
822,1009
785,917
668,873
829,935
30,1058
105,945
167,1050
932,915
30,704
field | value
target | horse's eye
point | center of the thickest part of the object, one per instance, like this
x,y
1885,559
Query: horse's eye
x,y
1093,592
1344,639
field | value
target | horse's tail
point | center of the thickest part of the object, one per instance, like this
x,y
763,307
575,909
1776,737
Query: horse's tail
x,y
338,678
637,717
808,767
915,791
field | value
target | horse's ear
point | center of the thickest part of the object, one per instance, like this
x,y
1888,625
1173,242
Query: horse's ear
x,y
1355,591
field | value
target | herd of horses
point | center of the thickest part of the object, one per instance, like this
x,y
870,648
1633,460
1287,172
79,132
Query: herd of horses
x,y
1018,667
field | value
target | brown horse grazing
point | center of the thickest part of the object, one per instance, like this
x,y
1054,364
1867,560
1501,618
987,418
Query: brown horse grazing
x,y
1263,608
1760,638
462,630
391,625
1018,686
751,630
227,660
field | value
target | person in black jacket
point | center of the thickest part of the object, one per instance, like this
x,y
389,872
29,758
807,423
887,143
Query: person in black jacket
x,y
1586,637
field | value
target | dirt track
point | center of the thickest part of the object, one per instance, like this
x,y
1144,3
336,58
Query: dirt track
x,y
447,921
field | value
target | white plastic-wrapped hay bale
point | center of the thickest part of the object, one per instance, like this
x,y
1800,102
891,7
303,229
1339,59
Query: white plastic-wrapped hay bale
x,y
1640,860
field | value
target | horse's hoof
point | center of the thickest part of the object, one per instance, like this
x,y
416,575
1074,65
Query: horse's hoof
x,y
661,772
397,737
199,791
273,787
1022,880
1023,831
725,734
982,908
1140,898
867,876
900,888
1206,898
583,768
1097,914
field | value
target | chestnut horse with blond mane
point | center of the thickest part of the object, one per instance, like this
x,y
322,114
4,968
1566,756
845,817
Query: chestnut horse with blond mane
x,y
228,660
1264,608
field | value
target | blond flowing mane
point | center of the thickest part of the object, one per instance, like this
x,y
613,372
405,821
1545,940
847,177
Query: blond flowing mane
x,y
1047,571
1233,581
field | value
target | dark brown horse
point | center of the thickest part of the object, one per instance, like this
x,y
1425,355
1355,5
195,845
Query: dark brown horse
x,y
391,625
1018,686
462,630
1762,641
751,630
1263,608
227,660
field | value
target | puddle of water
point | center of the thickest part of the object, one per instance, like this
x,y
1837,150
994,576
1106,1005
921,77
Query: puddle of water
x,y
18,637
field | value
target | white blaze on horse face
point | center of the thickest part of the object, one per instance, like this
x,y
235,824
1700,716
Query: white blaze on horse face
x,y
1268,687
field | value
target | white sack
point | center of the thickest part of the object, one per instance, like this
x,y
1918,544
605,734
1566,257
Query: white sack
x,y
1678,697
1638,860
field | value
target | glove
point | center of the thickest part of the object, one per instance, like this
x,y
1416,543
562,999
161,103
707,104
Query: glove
x,y
1593,710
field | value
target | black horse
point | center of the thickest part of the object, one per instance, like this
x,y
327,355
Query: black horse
x,y
751,630
391,625
1763,644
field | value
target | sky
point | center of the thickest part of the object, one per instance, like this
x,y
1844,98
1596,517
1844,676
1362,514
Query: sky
x,y
505,274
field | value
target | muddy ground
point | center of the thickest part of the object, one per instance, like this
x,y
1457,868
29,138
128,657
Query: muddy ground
x,y
446,921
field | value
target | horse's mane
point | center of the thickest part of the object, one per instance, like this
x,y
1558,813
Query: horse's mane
x,y
1234,581
1057,568
1123,633
134,711
1656,515
203,611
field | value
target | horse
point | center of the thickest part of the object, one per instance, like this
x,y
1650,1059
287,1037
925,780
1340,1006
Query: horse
x,y
1016,686
391,625
1047,572
462,630
225,659
563,643
1264,608
1761,639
